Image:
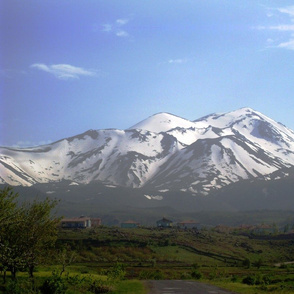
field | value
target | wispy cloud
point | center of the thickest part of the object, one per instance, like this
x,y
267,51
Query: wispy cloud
x,y
122,33
64,71
117,27
288,10
178,61
287,28
107,27
122,21
287,45
283,28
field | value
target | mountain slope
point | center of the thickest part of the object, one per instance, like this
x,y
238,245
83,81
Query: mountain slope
x,y
163,152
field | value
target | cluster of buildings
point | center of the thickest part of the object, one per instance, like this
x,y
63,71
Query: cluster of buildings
x,y
83,222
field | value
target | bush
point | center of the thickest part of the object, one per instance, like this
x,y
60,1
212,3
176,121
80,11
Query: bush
x,y
151,275
98,286
13,287
195,274
117,272
195,266
257,280
53,285
185,276
21,287
247,263
249,280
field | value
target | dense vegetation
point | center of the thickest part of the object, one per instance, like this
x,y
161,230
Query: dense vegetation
x,y
38,257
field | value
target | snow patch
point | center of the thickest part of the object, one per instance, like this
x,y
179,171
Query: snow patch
x,y
152,197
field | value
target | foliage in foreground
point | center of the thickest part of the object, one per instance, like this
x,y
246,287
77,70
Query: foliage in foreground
x,y
27,233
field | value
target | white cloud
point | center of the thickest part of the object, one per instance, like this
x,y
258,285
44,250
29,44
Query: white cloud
x,y
286,29
117,27
177,61
270,41
107,27
287,45
64,71
122,21
288,10
122,33
283,28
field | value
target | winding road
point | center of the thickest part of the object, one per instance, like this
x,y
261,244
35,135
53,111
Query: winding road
x,y
182,287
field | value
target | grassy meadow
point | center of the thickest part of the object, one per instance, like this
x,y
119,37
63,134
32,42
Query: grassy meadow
x,y
116,260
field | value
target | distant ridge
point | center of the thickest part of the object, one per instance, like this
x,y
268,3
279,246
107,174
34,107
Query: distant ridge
x,y
163,152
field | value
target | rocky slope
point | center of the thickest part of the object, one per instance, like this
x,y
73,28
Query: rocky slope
x,y
164,152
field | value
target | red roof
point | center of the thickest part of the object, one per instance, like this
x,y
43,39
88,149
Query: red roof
x,y
130,222
75,219
189,222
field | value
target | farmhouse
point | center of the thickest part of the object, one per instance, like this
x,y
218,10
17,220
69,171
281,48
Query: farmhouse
x,y
189,224
164,223
76,223
95,222
129,224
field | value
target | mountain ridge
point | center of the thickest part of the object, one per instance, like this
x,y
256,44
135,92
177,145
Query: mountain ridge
x,y
163,151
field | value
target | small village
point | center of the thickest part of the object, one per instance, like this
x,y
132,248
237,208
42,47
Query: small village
x,y
84,222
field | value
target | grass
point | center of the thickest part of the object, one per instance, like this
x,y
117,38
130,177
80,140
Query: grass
x,y
241,288
130,287
149,253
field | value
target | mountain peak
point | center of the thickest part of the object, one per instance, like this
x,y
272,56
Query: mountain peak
x,y
163,122
161,152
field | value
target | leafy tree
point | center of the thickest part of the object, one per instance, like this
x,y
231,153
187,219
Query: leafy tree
x,y
39,232
26,232
9,232
7,206
65,256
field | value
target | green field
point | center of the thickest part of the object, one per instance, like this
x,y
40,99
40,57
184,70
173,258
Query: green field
x,y
117,260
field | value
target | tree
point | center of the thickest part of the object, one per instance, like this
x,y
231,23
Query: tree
x,y
7,206
65,256
27,232
9,236
39,232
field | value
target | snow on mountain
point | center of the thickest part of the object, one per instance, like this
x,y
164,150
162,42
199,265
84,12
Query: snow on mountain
x,y
112,156
163,122
163,151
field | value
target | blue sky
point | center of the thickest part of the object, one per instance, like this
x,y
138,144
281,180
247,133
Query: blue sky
x,y
69,66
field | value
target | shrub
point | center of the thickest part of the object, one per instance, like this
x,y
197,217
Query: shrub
x,y
13,287
195,266
247,263
185,276
249,280
98,286
117,272
151,275
158,275
195,274
257,280
53,285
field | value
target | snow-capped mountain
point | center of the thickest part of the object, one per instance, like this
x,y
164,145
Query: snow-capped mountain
x,y
164,152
